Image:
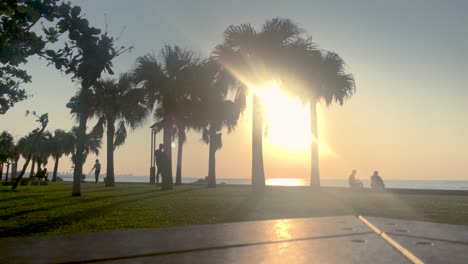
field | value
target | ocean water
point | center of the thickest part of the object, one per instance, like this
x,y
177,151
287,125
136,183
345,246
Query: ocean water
x,y
401,184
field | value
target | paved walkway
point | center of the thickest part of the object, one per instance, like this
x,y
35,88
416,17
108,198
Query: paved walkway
x,y
343,239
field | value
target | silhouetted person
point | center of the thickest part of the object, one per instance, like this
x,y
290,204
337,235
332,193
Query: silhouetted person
x,y
160,157
377,182
97,170
45,174
353,182
42,174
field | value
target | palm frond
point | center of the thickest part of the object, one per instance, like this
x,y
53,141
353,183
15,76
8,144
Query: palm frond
x,y
120,135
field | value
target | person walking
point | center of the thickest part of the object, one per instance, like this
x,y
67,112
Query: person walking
x,y
159,155
97,170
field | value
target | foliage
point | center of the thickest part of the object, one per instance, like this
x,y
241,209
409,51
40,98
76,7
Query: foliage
x,y
118,102
7,146
43,120
168,83
62,143
18,41
91,144
216,90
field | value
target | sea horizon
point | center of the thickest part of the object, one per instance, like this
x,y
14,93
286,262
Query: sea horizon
x,y
326,182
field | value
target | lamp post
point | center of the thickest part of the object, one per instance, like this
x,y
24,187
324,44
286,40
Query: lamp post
x,y
152,159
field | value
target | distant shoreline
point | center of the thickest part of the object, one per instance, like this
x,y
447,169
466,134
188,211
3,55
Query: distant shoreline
x,y
455,185
327,188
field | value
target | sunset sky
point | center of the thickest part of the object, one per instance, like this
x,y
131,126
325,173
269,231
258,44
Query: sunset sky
x,y
407,118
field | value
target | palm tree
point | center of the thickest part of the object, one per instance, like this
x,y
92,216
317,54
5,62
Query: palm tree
x,y
331,83
6,150
91,144
257,58
62,144
117,103
167,82
215,109
35,137
43,149
25,148
82,103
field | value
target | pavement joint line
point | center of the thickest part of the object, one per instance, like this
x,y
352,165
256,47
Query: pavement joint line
x,y
429,238
173,252
405,252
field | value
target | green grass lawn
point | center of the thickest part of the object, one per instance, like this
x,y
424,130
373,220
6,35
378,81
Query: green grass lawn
x,y
41,210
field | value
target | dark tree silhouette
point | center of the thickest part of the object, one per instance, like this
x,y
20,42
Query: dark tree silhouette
x,y
167,83
43,120
62,143
7,149
19,41
86,55
334,84
117,103
219,101
258,57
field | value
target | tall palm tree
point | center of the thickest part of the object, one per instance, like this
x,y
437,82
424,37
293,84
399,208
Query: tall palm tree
x,y
257,57
331,84
117,103
62,144
215,109
167,82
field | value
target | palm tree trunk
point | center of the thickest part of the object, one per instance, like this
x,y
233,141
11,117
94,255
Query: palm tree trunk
x,y
31,173
78,170
258,174
7,171
1,171
110,182
314,166
54,176
166,182
212,160
179,162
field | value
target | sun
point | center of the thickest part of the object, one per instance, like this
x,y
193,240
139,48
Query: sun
x,y
287,123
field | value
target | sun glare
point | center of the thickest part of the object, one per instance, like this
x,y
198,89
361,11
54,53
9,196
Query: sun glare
x,y
285,182
287,121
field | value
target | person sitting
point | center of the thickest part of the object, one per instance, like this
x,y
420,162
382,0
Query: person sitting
x,y
377,182
42,174
353,182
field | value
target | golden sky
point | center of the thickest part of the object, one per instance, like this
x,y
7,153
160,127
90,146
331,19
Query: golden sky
x,y
407,118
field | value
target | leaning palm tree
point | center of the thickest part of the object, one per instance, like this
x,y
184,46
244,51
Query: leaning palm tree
x,y
117,103
256,57
36,134
25,148
62,144
331,84
167,81
219,101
